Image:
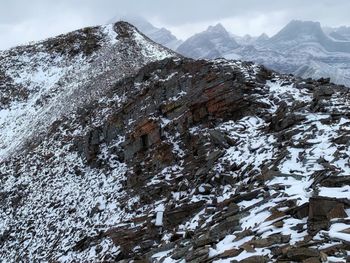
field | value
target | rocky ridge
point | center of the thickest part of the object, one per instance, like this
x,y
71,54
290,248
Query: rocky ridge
x,y
185,161
41,82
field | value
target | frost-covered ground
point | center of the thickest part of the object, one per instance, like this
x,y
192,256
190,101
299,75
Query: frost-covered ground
x,y
212,161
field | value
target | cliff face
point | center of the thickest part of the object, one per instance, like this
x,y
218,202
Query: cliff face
x,y
184,160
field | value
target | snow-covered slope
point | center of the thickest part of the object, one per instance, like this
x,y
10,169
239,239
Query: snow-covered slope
x,y
43,81
211,43
173,160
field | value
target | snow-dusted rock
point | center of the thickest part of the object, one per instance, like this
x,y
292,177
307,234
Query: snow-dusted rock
x,y
166,159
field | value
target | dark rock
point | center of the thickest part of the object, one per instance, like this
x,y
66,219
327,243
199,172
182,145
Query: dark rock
x,y
323,209
300,254
336,181
254,259
283,118
229,253
198,255
205,239
178,215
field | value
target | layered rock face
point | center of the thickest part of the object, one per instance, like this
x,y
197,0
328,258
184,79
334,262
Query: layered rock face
x,y
185,161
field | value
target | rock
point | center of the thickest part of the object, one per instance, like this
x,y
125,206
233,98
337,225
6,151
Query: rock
x,y
269,241
283,118
336,181
312,260
323,209
343,139
219,138
205,239
254,259
229,253
226,226
300,254
180,253
198,255
176,216
299,212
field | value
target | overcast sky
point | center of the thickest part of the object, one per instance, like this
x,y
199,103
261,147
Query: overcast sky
x,y
22,21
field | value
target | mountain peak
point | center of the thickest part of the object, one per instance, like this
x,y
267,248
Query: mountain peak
x,y
218,28
212,43
299,32
297,28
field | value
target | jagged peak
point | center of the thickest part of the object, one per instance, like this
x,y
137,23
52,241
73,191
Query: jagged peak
x,y
218,28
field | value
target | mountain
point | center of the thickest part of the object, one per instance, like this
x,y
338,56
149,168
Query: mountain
x,y
141,155
339,33
301,48
297,34
260,40
244,40
41,82
160,35
211,43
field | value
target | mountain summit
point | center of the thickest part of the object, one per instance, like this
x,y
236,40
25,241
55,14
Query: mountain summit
x,y
211,43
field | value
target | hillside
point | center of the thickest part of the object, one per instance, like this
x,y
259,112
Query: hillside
x,y
133,153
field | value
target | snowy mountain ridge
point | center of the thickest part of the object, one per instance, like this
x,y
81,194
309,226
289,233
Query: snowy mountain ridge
x,y
51,79
162,158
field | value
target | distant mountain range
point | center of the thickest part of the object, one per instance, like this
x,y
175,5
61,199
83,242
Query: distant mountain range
x,y
302,48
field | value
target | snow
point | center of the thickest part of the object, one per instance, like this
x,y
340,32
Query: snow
x,y
151,50
109,31
53,91
159,214
298,189
337,192
229,242
255,146
336,229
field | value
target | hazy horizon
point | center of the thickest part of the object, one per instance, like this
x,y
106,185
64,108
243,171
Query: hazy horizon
x,y
22,22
